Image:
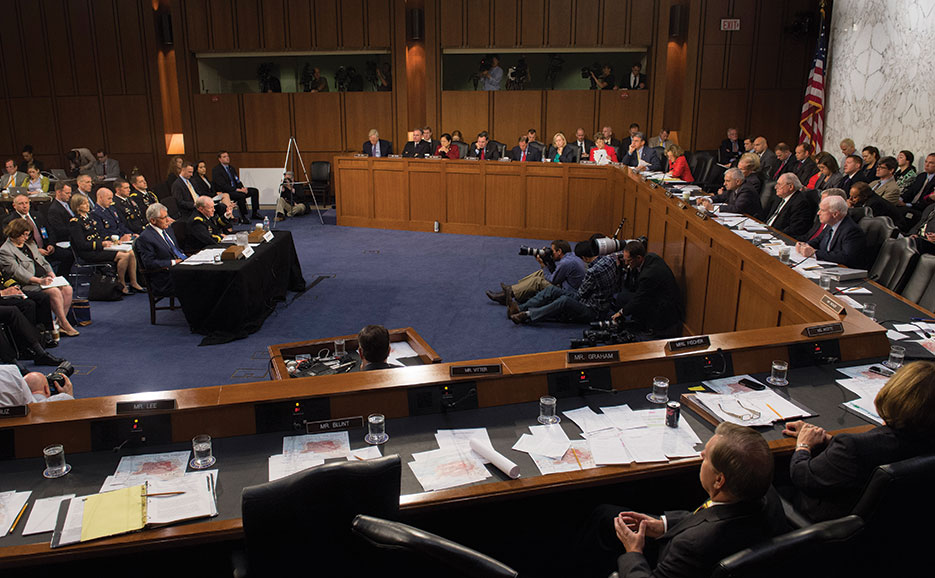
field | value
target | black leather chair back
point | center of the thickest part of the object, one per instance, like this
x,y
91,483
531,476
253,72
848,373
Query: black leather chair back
x,y
320,174
920,289
408,551
894,263
172,206
877,230
462,148
858,213
180,228
766,194
661,153
700,165
303,521
823,549
501,148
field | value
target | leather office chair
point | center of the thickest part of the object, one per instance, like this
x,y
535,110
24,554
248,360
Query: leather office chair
x,y
766,194
823,549
303,521
501,148
661,153
462,148
320,177
154,299
81,272
894,263
180,228
700,165
408,551
577,152
876,230
858,213
920,289
171,205
162,191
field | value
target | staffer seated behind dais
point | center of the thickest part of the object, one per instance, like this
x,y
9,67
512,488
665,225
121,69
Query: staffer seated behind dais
x,y
417,148
373,346
483,148
652,299
17,389
736,197
841,241
204,226
640,156
564,269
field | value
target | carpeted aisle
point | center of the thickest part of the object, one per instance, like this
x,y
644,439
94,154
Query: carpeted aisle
x,y
432,282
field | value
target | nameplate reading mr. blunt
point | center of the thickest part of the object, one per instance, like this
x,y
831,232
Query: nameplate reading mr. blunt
x,y
826,329
475,370
688,343
151,405
344,423
14,411
593,356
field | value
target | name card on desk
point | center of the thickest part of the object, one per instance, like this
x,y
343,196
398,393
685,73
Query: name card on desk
x,y
688,343
833,305
593,356
125,407
14,411
475,370
826,329
341,424
701,214
247,251
268,236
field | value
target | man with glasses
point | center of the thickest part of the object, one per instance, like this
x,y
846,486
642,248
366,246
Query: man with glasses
x,y
159,250
791,211
841,240
105,168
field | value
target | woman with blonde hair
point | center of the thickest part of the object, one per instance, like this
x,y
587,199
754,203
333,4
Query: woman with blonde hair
x,y
560,152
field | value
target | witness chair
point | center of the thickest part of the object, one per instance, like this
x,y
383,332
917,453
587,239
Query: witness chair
x,y
894,263
81,273
162,191
877,230
154,299
180,228
408,551
320,177
303,521
919,288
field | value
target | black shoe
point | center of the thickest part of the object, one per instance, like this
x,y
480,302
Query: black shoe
x,y
47,340
43,357
280,217
256,216
520,318
135,290
512,309
244,221
496,297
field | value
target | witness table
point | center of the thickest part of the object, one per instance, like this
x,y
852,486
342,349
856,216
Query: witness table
x,y
230,300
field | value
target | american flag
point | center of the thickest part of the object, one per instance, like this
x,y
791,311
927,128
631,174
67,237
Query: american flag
x,y
812,123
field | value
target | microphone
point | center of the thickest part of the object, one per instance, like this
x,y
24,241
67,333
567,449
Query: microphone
x,y
448,404
843,290
597,389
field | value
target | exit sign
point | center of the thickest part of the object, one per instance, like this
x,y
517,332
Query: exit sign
x,y
730,24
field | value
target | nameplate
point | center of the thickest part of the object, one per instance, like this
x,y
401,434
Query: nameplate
x,y
593,356
653,185
233,253
14,411
361,155
668,193
475,370
342,424
701,214
247,252
833,305
125,407
471,158
394,156
268,236
688,343
826,329
256,235
683,204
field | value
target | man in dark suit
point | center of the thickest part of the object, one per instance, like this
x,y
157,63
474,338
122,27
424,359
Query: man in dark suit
x,y
730,149
742,509
483,148
184,191
627,141
158,250
804,167
226,180
417,148
635,80
427,137
921,192
376,146
583,143
522,152
791,211
851,172
204,226
59,212
738,198
841,241
373,346
638,154
610,139
651,303
769,162
42,234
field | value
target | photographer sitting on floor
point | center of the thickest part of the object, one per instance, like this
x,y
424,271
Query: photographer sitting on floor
x,y
561,268
650,300
16,389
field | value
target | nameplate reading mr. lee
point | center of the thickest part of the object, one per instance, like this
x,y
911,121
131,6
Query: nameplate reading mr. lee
x,y
344,423
473,370
151,405
592,356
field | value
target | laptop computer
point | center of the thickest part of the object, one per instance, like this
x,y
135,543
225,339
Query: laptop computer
x,y
59,174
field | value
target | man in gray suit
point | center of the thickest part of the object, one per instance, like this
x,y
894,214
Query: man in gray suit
x,y
769,162
105,168
11,177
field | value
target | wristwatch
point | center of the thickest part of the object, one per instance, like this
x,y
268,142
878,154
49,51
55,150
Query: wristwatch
x,y
802,447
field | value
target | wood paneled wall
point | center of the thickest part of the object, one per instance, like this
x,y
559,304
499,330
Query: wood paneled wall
x,y
78,73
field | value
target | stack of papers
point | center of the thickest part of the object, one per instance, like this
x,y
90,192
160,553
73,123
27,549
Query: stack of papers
x,y
447,468
307,451
751,408
136,470
43,515
549,441
865,384
577,457
203,257
11,504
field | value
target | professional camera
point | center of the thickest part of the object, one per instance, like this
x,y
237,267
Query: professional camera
x,y
268,82
586,71
517,76
607,245
612,334
341,78
56,379
483,67
545,253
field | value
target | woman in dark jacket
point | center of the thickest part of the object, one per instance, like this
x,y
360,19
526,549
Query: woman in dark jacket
x,y
560,152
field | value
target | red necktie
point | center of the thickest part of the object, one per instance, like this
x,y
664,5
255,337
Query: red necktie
x,y
482,151
524,157
818,232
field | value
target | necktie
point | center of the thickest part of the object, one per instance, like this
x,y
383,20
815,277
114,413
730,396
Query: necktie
x,y
922,191
705,505
482,151
191,189
67,208
830,236
175,250
523,158
776,213
818,232
35,231
376,150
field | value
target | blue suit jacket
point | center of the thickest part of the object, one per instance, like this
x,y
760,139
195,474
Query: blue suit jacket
x,y
649,155
848,246
386,148
110,220
156,259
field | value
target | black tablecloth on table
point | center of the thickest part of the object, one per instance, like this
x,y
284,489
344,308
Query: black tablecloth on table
x,y
230,300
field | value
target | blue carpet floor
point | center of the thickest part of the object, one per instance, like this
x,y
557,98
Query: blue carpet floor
x,y
432,282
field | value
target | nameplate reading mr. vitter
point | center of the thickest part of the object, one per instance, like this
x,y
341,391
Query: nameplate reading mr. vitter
x,y
150,405
688,343
592,356
344,423
826,329
475,370
14,411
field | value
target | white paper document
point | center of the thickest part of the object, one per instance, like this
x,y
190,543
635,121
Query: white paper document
x,y
863,372
322,446
196,501
753,408
728,385
120,247
545,440
282,465
203,257
74,517
854,290
448,468
44,514
586,419
11,504
165,465
578,457
895,335
367,453
56,282
461,439
400,349
608,448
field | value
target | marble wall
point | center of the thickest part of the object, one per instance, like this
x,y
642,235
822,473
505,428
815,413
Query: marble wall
x,y
881,89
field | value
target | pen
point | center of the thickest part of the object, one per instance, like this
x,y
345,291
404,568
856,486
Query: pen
x,y
774,411
922,319
574,453
162,494
16,521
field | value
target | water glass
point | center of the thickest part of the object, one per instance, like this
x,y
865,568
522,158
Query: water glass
x,y
870,310
55,466
376,429
824,281
779,372
339,349
201,449
660,393
547,410
687,196
243,238
897,355
785,254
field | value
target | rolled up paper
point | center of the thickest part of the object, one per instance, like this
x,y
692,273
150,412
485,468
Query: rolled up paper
x,y
496,458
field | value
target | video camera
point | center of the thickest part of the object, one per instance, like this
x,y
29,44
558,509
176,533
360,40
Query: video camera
x,y
56,379
371,74
517,76
595,68
603,332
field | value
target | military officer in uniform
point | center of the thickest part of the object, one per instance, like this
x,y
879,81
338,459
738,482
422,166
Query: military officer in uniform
x,y
128,210
90,239
140,195
108,218
205,227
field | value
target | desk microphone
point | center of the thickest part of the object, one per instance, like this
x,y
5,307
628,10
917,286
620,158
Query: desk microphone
x,y
597,389
844,290
448,404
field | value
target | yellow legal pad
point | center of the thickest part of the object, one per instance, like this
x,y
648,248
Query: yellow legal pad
x,y
112,513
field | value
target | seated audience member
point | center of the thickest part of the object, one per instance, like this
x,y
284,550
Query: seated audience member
x,y
184,191
29,159
625,143
885,184
129,211
560,152
662,140
457,136
90,242
373,346
25,336
417,148
483,148
641,156
447,150
427,137
565,270
592,300
861,195
59,212
828,175
847,148
609,138
804,167
678,165
80,162
583,143
226,180
204,226
871,156
35,183
741,510
730,149
319,83
924,231
36,307
140,193
105,168
375,146
747,145
385,77
175,167
784,161
602,154
851,172
829,473
12,177
200,180
769,162
636,79
651,303
841,240
605,81
906,171
524,152
159,250
490,79
791,211
17,389
921,192
738,199
21,261
40,232
85,186
108,218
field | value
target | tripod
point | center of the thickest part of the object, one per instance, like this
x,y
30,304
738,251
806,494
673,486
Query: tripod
x,y
307,182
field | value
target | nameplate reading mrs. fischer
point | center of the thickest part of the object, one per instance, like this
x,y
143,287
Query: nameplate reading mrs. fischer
x,y
593,356
688,343
475,370
344,423
124,407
